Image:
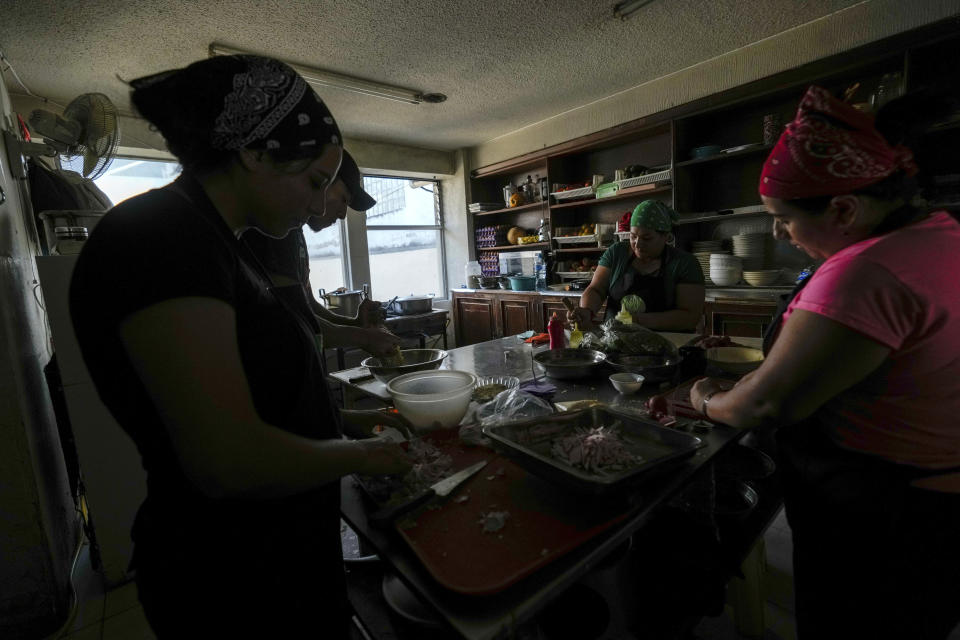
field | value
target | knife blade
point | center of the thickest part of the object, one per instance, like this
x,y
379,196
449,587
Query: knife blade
x,y
443,488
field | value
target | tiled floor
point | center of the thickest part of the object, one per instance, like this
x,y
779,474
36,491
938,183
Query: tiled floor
x,y
116,615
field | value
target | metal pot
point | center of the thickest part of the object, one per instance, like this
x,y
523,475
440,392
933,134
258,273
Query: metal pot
x,y
343,303
412,305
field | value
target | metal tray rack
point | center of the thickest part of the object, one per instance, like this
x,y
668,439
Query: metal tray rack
x,y
528,443
582,192
659,176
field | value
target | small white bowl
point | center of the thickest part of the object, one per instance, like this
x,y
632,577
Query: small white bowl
x,y
626,382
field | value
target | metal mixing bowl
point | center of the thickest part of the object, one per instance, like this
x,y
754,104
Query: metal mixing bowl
x,y
570,363
413,360
652,368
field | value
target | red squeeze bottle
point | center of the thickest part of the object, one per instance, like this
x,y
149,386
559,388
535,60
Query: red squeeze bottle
x,y
555,330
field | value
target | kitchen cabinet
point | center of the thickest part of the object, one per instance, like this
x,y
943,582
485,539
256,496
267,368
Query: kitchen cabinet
x,y
742,319
496,313
516,315
474,317
716,196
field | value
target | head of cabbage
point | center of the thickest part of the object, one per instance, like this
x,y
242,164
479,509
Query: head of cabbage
x,y
633,304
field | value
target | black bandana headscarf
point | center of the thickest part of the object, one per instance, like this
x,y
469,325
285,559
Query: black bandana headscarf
x,y
237,102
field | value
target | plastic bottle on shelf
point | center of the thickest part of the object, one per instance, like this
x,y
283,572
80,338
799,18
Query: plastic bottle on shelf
x,y
530,190
540,272
472,273
555,331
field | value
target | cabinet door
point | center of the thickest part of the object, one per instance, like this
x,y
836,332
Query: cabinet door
x,y
740,320
516,316
475,321
548,308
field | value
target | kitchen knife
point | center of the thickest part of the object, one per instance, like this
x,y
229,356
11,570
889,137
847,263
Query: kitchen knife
x,y
441,489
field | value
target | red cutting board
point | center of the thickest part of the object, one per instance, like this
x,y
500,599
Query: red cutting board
x,y
545,522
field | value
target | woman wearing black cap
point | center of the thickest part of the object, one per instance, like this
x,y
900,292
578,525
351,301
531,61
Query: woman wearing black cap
x,y
211,374
287,261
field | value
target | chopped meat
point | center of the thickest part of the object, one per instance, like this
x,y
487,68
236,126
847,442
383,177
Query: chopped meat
x,y
599,449
430,465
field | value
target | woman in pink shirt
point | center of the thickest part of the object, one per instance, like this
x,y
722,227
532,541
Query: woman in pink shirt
x,y
863,377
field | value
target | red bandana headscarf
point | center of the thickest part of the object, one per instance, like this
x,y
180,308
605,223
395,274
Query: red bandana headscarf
x,y
829,149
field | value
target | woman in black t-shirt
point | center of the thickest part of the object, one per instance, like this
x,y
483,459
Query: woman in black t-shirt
x,y
217,382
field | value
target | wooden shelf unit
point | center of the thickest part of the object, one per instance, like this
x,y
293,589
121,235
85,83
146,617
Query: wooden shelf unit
x,y
925,56
514,247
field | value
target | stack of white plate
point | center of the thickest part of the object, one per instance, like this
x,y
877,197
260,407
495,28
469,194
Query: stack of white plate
x,y
725,270
706,246
752,248
762,278
703,257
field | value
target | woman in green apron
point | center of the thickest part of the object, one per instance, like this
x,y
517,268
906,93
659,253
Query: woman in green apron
x,y
668,280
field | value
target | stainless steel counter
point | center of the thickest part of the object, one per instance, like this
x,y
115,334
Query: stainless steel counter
x,y
520,293
497,616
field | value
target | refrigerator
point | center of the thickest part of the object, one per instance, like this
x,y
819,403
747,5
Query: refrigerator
x,y
110,464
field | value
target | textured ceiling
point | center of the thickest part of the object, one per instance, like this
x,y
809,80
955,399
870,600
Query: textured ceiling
x,y
504,64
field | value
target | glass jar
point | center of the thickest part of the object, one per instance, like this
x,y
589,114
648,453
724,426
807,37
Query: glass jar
x,y
69,240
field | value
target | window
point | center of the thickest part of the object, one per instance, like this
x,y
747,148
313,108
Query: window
x,y
326,257
127,177
405,237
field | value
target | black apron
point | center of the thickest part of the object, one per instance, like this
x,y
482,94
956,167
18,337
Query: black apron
x,y
648,286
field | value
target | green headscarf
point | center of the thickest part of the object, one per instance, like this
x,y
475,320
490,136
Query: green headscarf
x,y
653,214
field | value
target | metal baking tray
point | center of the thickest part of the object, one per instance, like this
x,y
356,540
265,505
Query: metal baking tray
x,y
529,443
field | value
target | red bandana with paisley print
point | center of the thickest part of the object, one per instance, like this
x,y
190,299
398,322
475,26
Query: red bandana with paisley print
x,y
829,149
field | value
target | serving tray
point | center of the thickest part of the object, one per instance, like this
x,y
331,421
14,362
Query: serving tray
x,y
528,443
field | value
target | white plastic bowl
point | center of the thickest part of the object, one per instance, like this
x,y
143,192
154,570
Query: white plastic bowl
x,y
725,260
432,399
725,277
626,382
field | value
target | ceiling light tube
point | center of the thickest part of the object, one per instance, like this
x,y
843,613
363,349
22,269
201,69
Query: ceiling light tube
x,y
321,78
624,9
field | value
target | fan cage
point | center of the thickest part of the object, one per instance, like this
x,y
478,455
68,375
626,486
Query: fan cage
x,y
99,138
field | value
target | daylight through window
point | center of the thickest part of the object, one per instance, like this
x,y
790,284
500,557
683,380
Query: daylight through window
x,y
405,237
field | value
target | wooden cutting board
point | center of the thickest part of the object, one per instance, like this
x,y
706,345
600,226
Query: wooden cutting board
x,y
543,523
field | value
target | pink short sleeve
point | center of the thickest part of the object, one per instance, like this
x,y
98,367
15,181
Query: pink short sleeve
x,y
863,296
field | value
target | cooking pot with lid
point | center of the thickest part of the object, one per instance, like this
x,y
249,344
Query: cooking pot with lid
x,y
411,305
343,303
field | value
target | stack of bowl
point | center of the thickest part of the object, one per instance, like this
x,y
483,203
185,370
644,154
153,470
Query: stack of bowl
x,y
725,270
702,250
707,246
752,248
762,278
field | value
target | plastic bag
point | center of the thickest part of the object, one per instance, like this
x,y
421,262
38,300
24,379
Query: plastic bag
x,y
628,339
512,405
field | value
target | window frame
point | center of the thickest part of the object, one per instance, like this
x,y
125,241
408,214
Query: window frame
x,y
438,226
